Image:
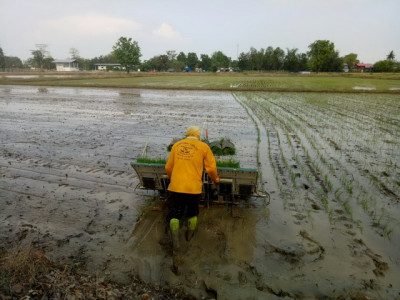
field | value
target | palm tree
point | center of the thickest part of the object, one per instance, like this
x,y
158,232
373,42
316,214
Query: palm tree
x,y
390,55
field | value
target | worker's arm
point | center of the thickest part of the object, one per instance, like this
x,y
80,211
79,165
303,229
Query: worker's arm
x,y
211,166
170,163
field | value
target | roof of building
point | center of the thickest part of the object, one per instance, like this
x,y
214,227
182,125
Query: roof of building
x,y
64,61
100,64
364,65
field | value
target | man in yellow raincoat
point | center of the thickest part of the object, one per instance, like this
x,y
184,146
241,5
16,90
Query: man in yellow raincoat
x,y
184,168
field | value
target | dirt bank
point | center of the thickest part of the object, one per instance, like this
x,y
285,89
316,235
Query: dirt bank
x,y
66,186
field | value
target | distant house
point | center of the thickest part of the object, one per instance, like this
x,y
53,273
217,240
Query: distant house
x,y
363,68
230,69
66,65
105,67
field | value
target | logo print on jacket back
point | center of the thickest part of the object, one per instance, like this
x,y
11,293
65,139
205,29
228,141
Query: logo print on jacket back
x,y
186,151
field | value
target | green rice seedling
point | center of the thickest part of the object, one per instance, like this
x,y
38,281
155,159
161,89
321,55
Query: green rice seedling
x,y
151,160
338,193
389,232
217,150
293,177
350,188
284,160
359,226
229,151
277,178
325,202
364,204
328,182
347,208
308,175
230,163
330,214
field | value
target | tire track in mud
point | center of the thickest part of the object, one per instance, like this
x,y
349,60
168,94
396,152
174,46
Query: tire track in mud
x,y
67,174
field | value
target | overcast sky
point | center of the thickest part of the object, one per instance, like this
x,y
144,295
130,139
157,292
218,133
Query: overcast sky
x,y
370,28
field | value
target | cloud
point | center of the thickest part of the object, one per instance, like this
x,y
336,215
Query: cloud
x,y
91,33
166,31
89,25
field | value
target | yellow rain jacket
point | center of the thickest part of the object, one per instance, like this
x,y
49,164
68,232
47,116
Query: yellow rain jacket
x,y
185,166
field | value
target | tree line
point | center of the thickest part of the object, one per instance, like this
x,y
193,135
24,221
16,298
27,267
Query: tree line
x,y
321,57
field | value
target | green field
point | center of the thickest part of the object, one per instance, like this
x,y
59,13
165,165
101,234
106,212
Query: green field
x,y
372,83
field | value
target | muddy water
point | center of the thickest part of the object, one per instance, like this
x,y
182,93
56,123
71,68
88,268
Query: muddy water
x,y
66,185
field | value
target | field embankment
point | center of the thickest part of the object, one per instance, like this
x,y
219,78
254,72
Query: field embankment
x,y
348,83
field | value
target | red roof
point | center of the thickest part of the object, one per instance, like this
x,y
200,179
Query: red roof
x,y
364,65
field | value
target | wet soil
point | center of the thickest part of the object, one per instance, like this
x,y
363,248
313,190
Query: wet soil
x,y
66,185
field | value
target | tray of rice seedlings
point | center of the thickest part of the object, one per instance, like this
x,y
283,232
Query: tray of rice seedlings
x,y
220,147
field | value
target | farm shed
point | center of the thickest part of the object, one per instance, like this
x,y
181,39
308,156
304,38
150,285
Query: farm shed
x,y
67,65
105,67
363,67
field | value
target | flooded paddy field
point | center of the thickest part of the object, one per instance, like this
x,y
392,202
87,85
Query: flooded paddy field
x,y
329,161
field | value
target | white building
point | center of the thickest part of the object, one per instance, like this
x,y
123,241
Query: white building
x,y
66,65
105,67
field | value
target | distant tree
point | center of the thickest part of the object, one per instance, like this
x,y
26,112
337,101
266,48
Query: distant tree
x,y
303,58
205,62
39,54
268,63
292,60
390,56
74,53
12,62
192,60
278,58
173,63
350,60
37,59
244,61
220,60
127,52
48,63
235,64
182,58
2,59
384,66
171,55
147,65
256,58
160,62
324,57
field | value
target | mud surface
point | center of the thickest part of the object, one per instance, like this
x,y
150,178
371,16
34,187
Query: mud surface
x,y
66,185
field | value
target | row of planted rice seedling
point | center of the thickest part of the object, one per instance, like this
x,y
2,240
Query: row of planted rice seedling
x,y
315,139
350,160
260,84
301,161
371,147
